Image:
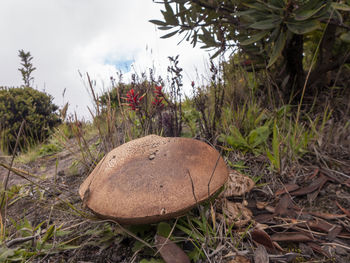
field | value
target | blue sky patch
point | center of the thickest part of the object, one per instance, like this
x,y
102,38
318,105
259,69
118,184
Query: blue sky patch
x,y
121,64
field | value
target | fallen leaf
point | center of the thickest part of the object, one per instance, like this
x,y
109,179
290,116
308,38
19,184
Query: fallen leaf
x,y
284,206
287,188
316,184
314,174
334,232
318,249
261,205
261,226
239,259
169,251
324,215
347,212
270,209
333,177
264,218
291,236
277,246
236,213
260,255
238,184
319,225
288,257
261,237
311,197
306,250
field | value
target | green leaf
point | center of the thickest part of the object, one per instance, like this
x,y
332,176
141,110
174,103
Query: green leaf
x,y
163,229
47,235
277,3
274,157
306,14
341,7
194,38
259,136
243,13
39,225
257,6
303,27
266,24
158,22
339,16
207,38
271,158
345,37
311,4
68,247
170,34
165,27
168,8
137,246
61,233
254,38
5,254
275,142
191,233
169,15
217,53
277,49
236,139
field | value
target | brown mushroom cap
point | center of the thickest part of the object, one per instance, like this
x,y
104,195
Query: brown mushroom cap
x,y
152,179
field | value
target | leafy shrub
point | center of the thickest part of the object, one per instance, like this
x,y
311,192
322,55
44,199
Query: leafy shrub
x,y
33,106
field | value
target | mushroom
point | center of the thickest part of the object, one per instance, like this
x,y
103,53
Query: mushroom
x,y
152,179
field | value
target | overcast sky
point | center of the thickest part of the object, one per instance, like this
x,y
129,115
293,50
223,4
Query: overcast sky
x,y
95,36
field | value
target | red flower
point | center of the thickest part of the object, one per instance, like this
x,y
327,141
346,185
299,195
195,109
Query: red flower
x,y
158,100
158,91
133,99
192,84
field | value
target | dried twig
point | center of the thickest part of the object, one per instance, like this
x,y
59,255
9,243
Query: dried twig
x,y
212,174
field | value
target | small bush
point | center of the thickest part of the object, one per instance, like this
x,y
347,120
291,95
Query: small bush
x,y
33,106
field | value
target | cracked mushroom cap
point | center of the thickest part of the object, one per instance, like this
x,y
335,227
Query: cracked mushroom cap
x,y
152,179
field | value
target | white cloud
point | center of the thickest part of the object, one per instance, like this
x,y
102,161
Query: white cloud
x,y
65,36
